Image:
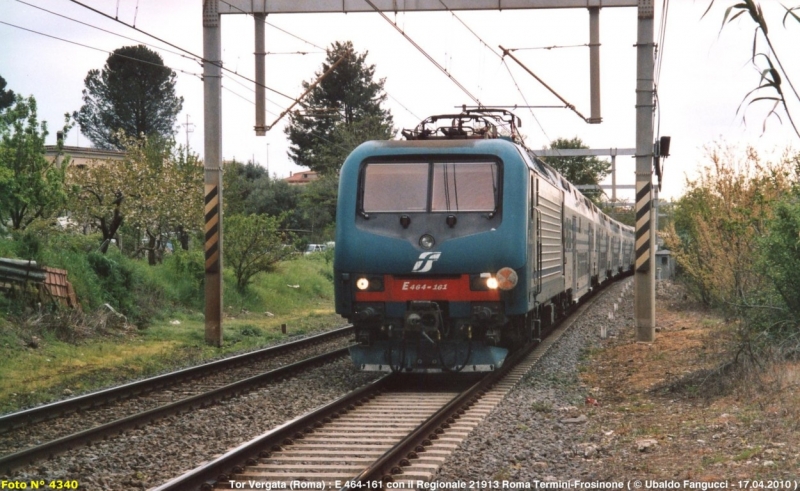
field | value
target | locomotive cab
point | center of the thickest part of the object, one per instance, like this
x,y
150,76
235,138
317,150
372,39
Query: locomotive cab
x,y
425,263
427,310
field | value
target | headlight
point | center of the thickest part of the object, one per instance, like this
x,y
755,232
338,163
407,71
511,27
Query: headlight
x,y
506,279
426,241
482,282
370,283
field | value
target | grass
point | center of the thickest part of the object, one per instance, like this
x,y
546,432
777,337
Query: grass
x,y
542,407
710,460
176,338
748,453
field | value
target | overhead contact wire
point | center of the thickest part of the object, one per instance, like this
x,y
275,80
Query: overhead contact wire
x,y
96,49
429,57
130,39
101,29
310,43
503,61
197,57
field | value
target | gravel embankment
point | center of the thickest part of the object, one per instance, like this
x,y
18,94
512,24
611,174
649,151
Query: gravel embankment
x,y
22,438
149,456
526,437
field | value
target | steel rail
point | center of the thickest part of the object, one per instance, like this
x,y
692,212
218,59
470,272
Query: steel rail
x,y
207,476
219,472
51,448
55,409
411,446
389,465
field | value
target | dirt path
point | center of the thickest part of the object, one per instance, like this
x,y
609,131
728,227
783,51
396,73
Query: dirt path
x,y
666,413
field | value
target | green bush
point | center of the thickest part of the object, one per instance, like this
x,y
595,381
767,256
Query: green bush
x,y
776,313
29,246
8,248
125,286
780,250
183,275
736,239
143,293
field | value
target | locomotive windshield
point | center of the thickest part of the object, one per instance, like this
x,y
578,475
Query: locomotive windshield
x,y
436,186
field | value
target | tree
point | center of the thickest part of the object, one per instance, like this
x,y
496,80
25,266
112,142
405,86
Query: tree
x,y
276,197
249,190
6,96
153,191
253,244
168,201
134,93
31,186
579,170
735,238
240,181
341,112
720,220
318,205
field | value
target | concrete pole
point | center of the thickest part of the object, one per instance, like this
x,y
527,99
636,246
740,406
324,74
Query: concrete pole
x,y
644,277
212,126
261,98
594,64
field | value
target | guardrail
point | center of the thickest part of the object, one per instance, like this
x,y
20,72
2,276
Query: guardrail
x,y
51,282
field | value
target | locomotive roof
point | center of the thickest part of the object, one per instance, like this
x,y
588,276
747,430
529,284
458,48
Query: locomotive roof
x,y
381,148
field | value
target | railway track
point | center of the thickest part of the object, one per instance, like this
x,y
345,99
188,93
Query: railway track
x,y
73,422
386,431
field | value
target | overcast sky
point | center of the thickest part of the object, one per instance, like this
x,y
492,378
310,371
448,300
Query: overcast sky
x,y
705,73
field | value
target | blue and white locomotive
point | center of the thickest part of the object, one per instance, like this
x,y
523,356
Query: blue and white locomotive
x,y
457,245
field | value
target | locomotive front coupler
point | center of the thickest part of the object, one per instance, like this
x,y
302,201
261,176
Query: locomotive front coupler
x,y
424,318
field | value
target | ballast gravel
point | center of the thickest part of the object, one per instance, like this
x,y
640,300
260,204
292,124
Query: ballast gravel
x,y
537,433
154,454
29,436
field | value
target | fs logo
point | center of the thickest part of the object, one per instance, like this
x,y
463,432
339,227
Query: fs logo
x,y
425,262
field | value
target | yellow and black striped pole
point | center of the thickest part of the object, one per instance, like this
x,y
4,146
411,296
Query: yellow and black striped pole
x,y
644,270
644,194
212,163
212,229
213,262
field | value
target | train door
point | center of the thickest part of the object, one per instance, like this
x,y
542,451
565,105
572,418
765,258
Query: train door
x,y
535,241
592,255
531,269
539,248
565,242
575,271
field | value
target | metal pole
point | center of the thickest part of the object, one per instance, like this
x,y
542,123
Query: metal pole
x,y
594,65
212,125
261,128
644,279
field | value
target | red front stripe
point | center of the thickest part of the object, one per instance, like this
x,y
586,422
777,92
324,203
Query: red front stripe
x,y
441,289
